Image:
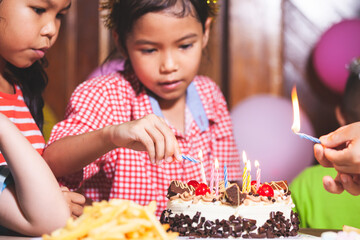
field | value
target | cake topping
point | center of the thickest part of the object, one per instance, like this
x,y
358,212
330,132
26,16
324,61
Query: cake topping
x,y
177,187
202,189
193,183
234,196
265,190
280,185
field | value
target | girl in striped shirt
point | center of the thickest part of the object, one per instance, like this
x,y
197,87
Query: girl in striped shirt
x,y
31,201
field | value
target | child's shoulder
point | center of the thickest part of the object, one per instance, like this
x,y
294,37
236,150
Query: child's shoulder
x,y
103,83
205,83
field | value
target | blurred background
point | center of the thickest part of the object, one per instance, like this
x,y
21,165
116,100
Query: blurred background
x,y
256,47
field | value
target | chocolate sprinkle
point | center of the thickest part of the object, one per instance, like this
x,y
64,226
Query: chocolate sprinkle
x,y
275,226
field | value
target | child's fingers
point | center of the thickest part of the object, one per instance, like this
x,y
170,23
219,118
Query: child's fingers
x,y
332,186
78,198
171,144
159,143
76,210
340,136
349,184
320,157
148,142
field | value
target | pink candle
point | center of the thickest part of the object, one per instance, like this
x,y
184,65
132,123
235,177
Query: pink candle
x,y
257,165
212,178
217,177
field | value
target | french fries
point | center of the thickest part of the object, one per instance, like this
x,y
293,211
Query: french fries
x,y
113,220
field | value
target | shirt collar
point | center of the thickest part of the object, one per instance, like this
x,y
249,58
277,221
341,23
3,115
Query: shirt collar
x,y
193,102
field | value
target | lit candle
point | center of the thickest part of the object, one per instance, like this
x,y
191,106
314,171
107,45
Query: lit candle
x,y
244,172
217,177
248,183
296,123
225,176
203,177
257,165
212,177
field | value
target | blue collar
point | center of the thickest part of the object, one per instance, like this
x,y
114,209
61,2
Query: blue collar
x,y
193,102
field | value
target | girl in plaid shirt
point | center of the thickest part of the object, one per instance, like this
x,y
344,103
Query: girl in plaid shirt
x,y
157,104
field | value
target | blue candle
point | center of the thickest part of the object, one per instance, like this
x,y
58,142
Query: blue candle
x,y
308,137
225,176
189,158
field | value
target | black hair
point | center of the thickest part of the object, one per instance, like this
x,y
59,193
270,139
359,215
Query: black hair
x,y
124,13
32,82
350,103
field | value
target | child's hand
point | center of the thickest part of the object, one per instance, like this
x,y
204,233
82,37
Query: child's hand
x,y
151,134
343,181
341,149
75,200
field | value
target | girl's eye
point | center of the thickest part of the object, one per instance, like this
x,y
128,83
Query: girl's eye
x,y
148,51
186,46
38,10
60,16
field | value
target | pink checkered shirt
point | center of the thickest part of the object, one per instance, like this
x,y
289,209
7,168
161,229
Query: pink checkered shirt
x,y
127,174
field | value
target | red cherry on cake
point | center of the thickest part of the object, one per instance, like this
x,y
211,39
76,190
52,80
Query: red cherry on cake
x,y
265,190
193,183
202,189
253,182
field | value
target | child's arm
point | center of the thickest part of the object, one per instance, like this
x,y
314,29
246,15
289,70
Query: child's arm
x,y
341,149
34,203
150,133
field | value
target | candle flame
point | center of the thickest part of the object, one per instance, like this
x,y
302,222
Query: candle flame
x,y
296,123
200,155
216,163
256,163
244,158
248,165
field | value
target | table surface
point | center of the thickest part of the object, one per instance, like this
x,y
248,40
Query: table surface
x,y
312,232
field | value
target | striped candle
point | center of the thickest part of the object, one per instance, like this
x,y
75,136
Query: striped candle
x,y
244,172
212,177
189,159
308,137
257,165
225,175
248,183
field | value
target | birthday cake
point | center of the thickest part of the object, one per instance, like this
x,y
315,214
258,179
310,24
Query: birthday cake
x,y
263,212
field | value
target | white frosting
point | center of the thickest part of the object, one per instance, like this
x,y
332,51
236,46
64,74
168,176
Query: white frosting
x,y
259,211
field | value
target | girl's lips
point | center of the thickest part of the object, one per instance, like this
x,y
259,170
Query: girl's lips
x,y
40,52
170,85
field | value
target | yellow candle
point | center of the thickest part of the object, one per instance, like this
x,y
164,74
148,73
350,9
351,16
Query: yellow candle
x,y
244,172
248,183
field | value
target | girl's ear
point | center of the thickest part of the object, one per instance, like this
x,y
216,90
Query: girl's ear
x,y
117,44
339,116
206,32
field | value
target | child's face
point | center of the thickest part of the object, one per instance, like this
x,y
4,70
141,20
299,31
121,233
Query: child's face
x,y
28,28
165,52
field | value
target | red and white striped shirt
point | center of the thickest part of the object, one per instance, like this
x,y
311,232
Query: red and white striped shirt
x,y
14,107
124,173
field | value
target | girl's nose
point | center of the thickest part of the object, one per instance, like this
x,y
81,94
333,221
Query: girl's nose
x,y
168,64
50,29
